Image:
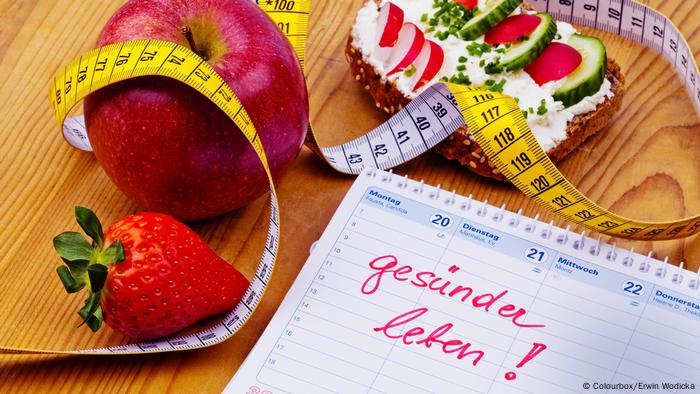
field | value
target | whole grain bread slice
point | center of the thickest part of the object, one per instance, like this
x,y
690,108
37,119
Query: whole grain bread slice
x,y
460,146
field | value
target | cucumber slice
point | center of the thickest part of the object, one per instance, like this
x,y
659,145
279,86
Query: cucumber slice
x,y
523,53
587,78
494,12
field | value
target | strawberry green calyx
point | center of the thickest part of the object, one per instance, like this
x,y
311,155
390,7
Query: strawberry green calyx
x,y
86,263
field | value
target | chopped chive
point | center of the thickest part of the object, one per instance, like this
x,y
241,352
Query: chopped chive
x,y
498,87
410,71
494,67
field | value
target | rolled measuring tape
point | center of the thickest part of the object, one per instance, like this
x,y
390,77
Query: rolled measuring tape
x,y
485,113
518,156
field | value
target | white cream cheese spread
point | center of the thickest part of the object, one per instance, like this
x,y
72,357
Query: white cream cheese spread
x,y
549,127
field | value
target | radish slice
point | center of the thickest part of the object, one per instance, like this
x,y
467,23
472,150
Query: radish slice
x,y
389,23
407,48
468,4
556,61
428,63
512,28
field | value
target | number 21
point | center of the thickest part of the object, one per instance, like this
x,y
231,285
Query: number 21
x,y
535,255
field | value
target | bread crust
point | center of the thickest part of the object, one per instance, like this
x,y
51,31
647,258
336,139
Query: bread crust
x,y
460,146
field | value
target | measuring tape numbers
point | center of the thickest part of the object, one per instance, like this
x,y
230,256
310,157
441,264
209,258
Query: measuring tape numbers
x,y
427,120
440,110
113,63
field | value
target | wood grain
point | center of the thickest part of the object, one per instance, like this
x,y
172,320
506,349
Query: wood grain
x,y
645,166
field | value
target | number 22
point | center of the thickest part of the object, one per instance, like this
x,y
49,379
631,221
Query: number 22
x,y
632,288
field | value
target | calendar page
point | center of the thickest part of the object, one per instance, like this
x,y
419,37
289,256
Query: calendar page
x,y
412,289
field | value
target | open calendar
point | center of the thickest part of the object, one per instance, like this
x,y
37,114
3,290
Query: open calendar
x,y
412,289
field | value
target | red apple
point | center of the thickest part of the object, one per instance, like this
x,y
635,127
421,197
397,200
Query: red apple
x,y
167,146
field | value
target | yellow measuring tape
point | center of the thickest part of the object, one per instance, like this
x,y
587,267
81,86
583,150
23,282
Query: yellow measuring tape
x,y
516,153
499,127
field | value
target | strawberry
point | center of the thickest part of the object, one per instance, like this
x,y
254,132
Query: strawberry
x,y
147,276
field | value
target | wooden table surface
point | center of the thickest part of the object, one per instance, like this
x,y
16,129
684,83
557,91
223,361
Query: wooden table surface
x,y
644,165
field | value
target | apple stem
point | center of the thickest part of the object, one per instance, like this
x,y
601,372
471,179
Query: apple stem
x,y
187,32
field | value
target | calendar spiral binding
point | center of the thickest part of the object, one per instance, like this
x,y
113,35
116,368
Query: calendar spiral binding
x,y
600,252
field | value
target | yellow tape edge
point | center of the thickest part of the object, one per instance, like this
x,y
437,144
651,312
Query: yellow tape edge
x,y
63,103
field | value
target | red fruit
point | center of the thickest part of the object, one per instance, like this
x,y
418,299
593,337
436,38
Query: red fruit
x,y
428,63
407,48
468,4
154,277
388,24
556,61
172,150
512,28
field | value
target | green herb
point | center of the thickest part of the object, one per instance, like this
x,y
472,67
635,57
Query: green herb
x,y
410,71
498,87
525,114
477,49
542,109
460,79
462,59
442,35
489,82
494,67
449,14
444,79
517,100
482,62
424,17
530,110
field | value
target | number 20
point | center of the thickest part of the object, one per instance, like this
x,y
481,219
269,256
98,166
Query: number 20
x,y
440,220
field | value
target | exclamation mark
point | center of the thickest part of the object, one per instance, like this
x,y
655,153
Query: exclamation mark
x,y
537,348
